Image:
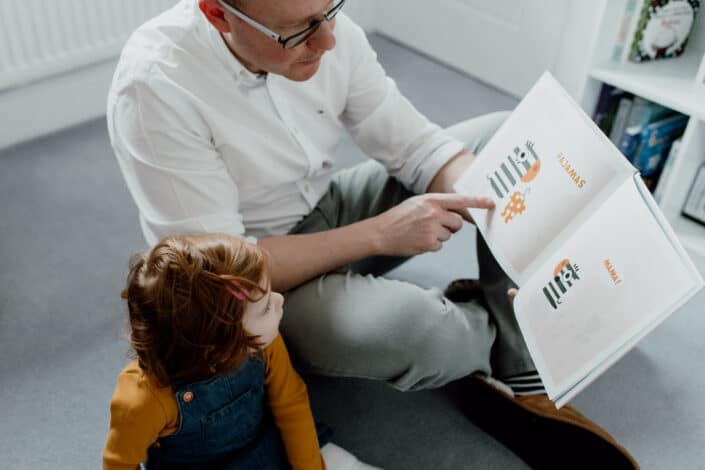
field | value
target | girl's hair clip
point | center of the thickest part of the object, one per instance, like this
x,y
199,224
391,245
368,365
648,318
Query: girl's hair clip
x,y
238,292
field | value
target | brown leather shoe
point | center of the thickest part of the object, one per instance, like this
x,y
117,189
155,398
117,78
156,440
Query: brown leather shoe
x,y
541,435
464,290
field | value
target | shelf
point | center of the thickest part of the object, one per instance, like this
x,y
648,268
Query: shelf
x,y
670,82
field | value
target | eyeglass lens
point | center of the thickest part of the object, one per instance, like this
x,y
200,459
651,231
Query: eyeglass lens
x,y
297,39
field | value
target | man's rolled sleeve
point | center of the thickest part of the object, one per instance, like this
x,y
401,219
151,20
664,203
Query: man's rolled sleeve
x,y
388,127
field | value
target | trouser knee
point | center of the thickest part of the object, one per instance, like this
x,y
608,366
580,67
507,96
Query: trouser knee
x,y
376,328
442,342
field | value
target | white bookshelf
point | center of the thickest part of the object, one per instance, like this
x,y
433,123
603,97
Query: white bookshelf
x,y
669,82
677,83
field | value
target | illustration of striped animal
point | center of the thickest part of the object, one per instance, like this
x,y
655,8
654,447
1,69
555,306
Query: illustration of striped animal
x,y
564,275
522,166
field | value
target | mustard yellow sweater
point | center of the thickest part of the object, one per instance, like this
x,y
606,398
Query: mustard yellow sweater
x,y
141,412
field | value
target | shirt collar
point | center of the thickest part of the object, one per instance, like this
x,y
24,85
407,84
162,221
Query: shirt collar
x,y
239,73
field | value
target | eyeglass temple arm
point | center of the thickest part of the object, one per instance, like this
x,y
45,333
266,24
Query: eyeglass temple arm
x,y
251,22
334,11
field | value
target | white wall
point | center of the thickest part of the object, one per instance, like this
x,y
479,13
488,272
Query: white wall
x,y
57,57
579,34
363,12
60,101
79,95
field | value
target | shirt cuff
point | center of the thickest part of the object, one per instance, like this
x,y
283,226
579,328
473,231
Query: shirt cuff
x,y
435,162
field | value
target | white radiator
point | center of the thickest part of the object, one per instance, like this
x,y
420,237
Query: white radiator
x,y
40,38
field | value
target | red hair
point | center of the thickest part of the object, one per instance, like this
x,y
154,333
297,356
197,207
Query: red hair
x,y
184,324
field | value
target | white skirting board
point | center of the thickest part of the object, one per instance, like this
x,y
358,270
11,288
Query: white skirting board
x,y
54,103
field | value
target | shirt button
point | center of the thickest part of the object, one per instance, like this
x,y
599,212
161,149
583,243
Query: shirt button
x,y
188,397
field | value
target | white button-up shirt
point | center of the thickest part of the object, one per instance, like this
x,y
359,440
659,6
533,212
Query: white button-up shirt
x,y
207,146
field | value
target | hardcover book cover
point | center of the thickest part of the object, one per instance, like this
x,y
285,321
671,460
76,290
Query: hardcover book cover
x,y
572,225
662,29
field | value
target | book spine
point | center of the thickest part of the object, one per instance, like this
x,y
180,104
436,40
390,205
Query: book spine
x,y
666,177
645,112
620,120
626,31
629,145
694,206
656,139
649,159
638,113
603,106
612,105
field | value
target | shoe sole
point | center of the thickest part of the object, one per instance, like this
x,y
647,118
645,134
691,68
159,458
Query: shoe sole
x,y
541,441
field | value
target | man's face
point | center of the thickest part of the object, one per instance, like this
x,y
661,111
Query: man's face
x,y
260,53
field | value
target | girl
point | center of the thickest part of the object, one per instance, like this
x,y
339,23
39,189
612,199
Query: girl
x,y
212,385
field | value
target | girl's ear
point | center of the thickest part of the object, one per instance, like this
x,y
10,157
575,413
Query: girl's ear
x,y
214,14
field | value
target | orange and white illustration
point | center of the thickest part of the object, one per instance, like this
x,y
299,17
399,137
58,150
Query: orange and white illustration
x,y
513,175
564,275
515,206
520,167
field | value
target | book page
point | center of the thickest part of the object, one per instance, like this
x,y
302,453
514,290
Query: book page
x,y
611,282
546,168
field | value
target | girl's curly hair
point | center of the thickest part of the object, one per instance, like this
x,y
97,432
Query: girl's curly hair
x,y
185,325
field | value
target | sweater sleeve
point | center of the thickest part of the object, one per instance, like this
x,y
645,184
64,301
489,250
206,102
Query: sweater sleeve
x,y
137,418
288,400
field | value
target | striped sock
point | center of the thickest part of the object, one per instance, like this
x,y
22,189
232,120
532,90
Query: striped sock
x,y
526,383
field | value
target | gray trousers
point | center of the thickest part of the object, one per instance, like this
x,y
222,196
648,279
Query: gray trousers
x,y
355,323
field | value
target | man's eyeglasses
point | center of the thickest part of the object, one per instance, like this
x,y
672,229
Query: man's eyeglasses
x,y
289,41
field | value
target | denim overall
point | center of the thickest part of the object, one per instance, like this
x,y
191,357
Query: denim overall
x,y
224,423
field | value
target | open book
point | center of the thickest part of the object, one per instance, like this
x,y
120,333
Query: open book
x,y
574,226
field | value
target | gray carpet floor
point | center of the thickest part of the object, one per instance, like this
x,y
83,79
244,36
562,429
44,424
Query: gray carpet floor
x,y
68,227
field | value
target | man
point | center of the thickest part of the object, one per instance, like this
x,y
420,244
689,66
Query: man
x,y
225,116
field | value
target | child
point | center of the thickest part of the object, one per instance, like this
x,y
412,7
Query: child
x,y
212,385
